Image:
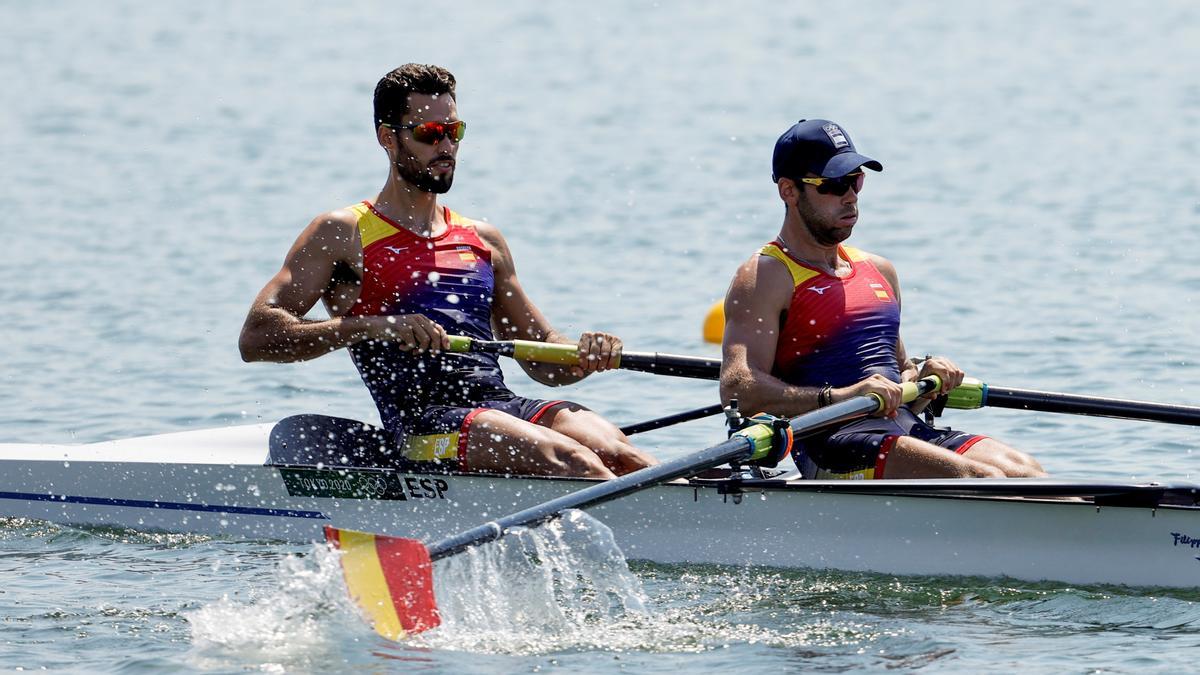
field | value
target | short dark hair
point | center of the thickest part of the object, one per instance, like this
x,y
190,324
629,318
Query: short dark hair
x,y
391,94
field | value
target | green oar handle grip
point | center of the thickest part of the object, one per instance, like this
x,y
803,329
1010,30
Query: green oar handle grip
x,y
460,343
522,350
969,395
925,385
912,390
546,352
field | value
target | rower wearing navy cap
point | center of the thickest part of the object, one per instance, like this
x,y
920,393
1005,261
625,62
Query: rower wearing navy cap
x,y
810,322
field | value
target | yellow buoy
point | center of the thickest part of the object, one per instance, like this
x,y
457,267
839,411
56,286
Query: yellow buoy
x,y
714,323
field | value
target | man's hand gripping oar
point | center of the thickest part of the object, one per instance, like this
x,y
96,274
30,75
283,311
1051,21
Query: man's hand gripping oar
x,y
391,578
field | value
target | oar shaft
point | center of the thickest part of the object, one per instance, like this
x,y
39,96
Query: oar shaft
x,y
754,441
1045,401
735,449
668,420
695,367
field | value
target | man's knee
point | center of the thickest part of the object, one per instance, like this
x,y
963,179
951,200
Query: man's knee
x,y
980,470
1023,466
568,457
498,442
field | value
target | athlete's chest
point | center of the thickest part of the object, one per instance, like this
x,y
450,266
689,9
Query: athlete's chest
x,y
400,257
825,303
405,273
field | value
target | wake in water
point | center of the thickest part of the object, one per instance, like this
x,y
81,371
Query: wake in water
x,y
539,589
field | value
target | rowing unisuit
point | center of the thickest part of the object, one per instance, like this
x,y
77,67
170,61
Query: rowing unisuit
x,y
839,331
429,401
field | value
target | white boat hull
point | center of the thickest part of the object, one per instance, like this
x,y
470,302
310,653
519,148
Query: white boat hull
x,y
218,482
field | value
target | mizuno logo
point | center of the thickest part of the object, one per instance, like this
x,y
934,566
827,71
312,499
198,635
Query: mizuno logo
x,y
396,249
819,290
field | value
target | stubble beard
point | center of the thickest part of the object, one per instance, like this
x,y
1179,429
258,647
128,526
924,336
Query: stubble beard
x,y
421,177
823,230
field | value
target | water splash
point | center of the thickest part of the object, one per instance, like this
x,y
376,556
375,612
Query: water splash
x,y
537,590
301,620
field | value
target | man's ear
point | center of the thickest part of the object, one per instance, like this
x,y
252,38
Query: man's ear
x,y
387,138
788,190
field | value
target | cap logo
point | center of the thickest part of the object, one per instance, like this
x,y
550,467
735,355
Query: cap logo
x,y
834,132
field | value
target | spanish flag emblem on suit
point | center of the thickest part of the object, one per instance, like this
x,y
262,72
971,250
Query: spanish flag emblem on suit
x,y
390,578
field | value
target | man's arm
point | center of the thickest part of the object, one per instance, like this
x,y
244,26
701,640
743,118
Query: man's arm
x,y
515,317
760,292
275,328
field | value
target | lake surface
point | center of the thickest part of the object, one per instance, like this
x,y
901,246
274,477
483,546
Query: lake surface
x,y
1039,199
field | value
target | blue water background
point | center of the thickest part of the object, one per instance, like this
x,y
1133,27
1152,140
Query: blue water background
x,y
1039,199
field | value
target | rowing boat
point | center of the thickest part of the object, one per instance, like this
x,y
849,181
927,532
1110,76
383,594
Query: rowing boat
x,y
287,481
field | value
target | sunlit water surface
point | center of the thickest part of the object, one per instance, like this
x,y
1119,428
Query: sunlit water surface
x,y
1039,200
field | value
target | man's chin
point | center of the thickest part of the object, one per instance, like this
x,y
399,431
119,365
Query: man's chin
x,y
434,184
832,236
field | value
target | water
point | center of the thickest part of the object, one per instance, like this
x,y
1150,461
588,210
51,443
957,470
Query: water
x,y
1039,201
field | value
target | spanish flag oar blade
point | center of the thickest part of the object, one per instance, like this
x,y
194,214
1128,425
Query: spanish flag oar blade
x,y
391,580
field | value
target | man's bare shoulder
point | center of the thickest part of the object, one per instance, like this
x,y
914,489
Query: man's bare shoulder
x,y
490,235
336,222
764,272
762,285
882,264
486,231
333,233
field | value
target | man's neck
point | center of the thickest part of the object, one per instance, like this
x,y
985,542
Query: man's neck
x,y
799,242
415,210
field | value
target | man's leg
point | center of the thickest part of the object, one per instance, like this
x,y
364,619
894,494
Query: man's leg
x,y
598,434
1013,462
500,443
987,458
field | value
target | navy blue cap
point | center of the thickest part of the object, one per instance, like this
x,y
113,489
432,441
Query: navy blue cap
x,y
817,146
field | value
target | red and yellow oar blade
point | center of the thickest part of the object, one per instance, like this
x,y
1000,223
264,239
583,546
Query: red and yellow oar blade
x,y
390,578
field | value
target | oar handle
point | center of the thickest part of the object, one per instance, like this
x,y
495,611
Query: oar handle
x,y
568,355
761,436
522,350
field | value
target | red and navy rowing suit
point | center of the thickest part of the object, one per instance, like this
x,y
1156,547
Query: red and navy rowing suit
x,y
429,401
838,331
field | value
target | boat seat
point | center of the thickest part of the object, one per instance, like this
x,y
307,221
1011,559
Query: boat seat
x,y
311,440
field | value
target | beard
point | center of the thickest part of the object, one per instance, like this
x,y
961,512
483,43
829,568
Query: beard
x,y
823,230
421,177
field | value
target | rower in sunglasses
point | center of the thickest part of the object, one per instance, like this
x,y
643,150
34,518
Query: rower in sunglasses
x,y
810,322
397,273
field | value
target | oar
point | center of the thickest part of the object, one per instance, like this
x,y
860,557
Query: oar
x,y
391,578
973,394
668,420
550,352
